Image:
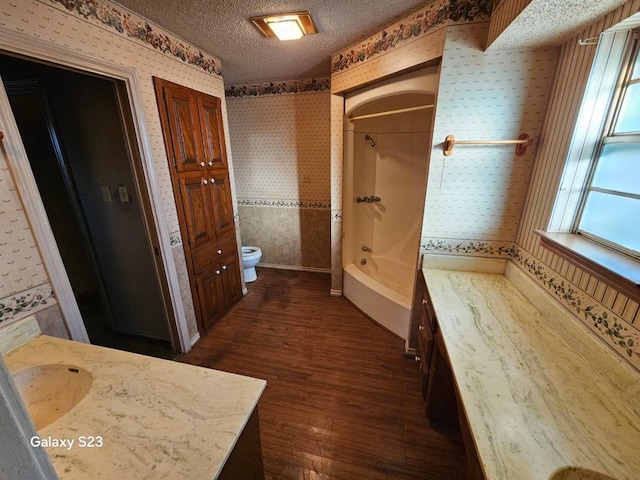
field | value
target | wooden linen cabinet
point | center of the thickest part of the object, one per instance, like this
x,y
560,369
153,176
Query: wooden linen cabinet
x,y
194,140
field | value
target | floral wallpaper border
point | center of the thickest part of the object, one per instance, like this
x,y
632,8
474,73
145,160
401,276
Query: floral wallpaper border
x,y
315,204
175,238
617,333
412,27
467,247
22,304
620,335
310,85
114,17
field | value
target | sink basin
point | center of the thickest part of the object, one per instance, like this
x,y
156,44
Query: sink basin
x,y
50,391
577,473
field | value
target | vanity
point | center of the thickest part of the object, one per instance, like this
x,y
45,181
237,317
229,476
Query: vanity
x,y
132,416
521,382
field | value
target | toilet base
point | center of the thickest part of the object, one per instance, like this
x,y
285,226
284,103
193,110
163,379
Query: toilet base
x,y
250,275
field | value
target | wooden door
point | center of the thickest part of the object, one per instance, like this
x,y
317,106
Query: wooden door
x,y
232,287
198,210
186,141
194,140
210,295
212,131
221,203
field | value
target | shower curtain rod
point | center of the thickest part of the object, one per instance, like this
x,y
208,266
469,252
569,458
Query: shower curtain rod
x,y
390,112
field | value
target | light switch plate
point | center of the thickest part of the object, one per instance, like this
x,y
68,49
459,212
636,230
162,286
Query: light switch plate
x,y
106,194
123,193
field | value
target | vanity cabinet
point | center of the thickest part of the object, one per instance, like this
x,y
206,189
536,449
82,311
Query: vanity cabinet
x,y
195,144
442,401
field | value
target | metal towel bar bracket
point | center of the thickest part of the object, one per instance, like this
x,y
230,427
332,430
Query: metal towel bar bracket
x,y
521,143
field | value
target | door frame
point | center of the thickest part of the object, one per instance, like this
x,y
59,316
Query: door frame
x,y
23,44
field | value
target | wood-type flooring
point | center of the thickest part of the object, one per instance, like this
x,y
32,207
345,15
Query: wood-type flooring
x,y
342,402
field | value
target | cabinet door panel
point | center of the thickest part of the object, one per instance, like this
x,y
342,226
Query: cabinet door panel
x,y
196,204
221,203
182,115
212,132
210,296
231,280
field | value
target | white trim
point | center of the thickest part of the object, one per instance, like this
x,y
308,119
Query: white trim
x,y
295,267
25,182
195,339
335,293
602,82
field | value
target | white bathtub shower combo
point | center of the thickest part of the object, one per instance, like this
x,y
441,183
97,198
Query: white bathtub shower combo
x,y
387,142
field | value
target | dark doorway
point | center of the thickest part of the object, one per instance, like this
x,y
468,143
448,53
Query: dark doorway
x,y
74,129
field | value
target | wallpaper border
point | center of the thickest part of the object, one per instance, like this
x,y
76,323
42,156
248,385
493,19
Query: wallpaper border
x,y
22,304
619,334
410,28
113,17
312,204
476,248
285,87
175,238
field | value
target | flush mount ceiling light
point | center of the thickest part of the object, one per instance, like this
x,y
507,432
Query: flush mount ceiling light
x,y
285,26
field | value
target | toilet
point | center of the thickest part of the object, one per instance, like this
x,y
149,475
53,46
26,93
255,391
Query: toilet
x,y
250,258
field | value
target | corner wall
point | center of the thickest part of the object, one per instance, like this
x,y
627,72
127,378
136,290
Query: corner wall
x,y
606,313
279,133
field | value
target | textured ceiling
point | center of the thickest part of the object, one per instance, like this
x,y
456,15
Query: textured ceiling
x,y
551,22
222,28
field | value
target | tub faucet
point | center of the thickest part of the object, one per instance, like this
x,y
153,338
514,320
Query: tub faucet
x,y
366,249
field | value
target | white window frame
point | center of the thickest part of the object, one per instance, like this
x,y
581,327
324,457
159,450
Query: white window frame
x,y
631,45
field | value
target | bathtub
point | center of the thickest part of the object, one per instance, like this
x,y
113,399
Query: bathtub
x,y
382,289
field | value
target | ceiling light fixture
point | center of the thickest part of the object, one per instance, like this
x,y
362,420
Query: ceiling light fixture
x,y
285,26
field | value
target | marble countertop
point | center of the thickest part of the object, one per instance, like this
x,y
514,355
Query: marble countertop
x,y
157,418
533,404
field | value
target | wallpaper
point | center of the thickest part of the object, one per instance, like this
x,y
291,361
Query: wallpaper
x,y
477,193
281,149
279,135
120,20
78,29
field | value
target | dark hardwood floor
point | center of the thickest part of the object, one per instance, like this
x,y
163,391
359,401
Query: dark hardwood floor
x,y
341,400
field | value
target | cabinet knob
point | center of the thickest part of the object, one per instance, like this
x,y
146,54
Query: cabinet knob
x,y
424,302
224,267
217,272
219,252
202,164
210,164
420,328
418,358
205,181
213,180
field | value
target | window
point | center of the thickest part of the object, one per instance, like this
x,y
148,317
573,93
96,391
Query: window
x,y
609,212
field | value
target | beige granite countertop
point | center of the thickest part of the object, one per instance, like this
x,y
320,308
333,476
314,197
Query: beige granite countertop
x,y
533,404
157,418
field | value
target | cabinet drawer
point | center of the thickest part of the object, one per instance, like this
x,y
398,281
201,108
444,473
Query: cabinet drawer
x,y
210,254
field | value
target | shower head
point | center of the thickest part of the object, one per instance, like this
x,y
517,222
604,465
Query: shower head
x,y
371,141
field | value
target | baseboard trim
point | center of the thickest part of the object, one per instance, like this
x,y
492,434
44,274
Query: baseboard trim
x,y
195,339
335,293
295,267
